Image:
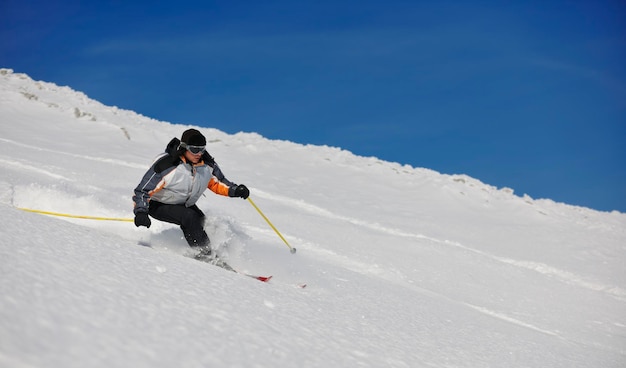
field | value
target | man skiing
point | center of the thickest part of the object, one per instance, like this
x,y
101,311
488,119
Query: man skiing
x,y
171,187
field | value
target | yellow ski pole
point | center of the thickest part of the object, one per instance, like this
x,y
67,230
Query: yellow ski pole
x,y
291,249
76,216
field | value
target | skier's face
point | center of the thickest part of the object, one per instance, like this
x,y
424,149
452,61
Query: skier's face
x,y
194,158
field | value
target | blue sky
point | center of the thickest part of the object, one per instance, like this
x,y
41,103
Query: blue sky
x,y
529,95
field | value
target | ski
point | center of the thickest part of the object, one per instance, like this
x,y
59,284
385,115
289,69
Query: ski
x,y
260,278
220,263
208,257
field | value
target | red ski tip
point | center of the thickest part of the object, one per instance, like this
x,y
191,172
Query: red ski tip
x,y
264,278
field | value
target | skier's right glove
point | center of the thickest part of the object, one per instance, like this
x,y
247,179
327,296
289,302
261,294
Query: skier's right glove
x,y
142,219
241,191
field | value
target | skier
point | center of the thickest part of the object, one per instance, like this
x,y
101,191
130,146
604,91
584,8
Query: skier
x,y
171,187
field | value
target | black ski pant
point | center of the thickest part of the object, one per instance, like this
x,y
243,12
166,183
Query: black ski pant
x,y
190,219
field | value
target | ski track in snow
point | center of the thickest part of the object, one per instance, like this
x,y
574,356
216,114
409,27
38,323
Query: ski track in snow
x,y
547,270
374,270
398,279
18,164
81,156
511,320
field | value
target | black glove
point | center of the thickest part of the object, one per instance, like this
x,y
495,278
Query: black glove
x,y
142,219
242,191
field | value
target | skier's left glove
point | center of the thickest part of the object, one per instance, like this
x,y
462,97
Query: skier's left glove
x,y
240,191
142,219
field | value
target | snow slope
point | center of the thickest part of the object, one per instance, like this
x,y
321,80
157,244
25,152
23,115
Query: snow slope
x,y
405,267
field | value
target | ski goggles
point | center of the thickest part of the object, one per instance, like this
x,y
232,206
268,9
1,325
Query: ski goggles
x,y
193,149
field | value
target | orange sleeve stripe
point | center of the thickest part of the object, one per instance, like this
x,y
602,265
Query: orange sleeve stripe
x,y
218,187
157,189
